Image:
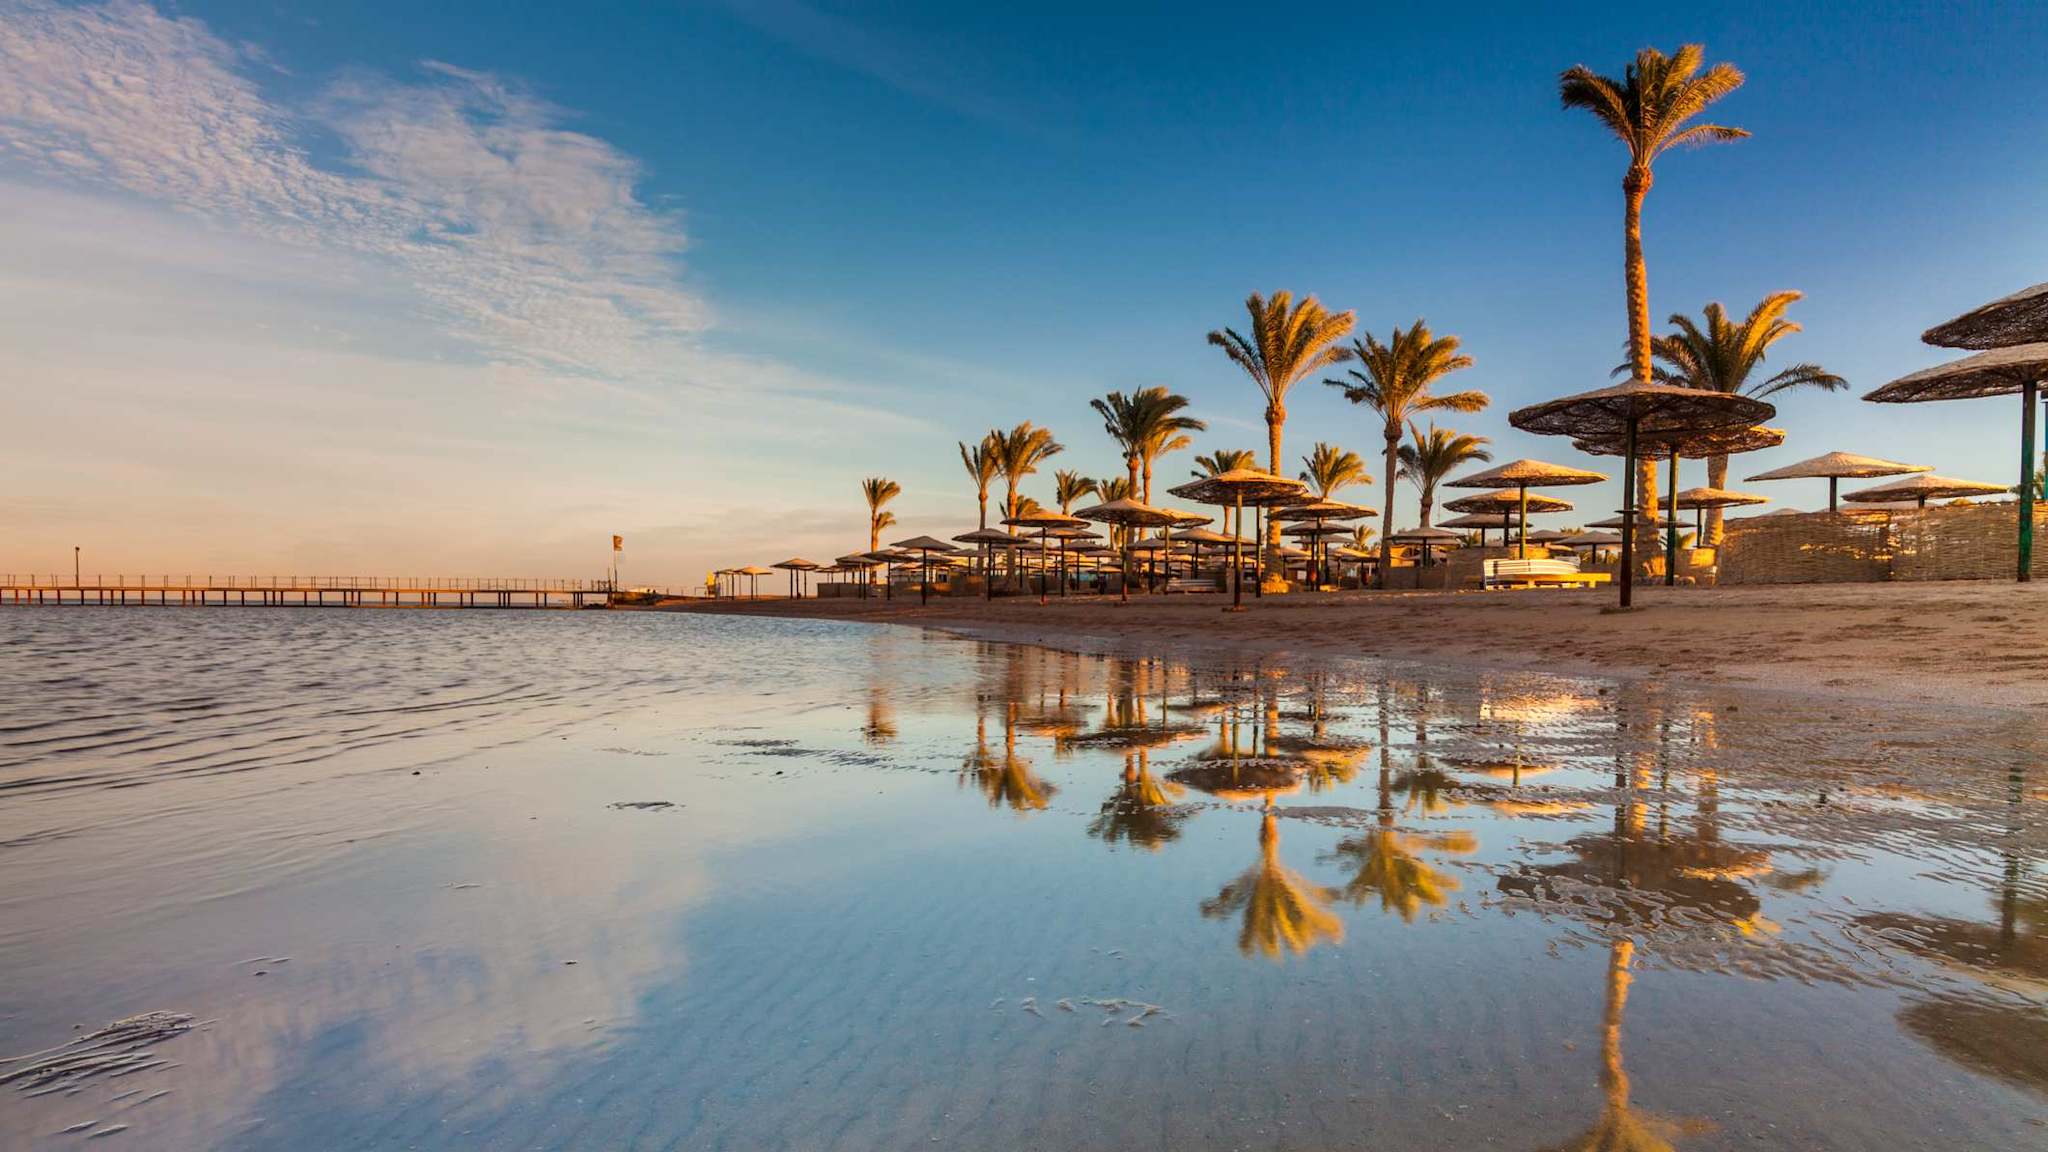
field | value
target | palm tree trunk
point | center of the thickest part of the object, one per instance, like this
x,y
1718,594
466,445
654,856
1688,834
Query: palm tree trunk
x,y
1634,187
1276,419
982,498
1717,477
1393,438
1148,480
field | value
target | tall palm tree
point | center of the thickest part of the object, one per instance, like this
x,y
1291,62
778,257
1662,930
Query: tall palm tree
x,y
879,490
1329,468
1362,536
1226,460
1018,453
1429,459
1146,425
1393,379
980,462
1068,486
1289,342
1648,109
1721,355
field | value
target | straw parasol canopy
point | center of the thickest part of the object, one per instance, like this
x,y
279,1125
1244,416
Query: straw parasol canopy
x,y
1701,499
1315,530
1547,536
1522,475
1482,521
1590,540
1689,444
1428,538
1200,536
1920,489
1510,502
1129,514
2021,318
795,566
1235,489
1322,510
2021,368
1625,412
1190,519
924,546
753,573
1619,522
1836,467
1289,552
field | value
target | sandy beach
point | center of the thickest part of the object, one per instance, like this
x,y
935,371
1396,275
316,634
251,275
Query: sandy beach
x,y
1968,643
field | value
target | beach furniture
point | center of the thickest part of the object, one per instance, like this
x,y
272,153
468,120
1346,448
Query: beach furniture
x,y
1511,572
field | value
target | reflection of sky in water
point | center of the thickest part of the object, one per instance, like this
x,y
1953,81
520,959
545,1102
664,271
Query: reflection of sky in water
x,y
917,887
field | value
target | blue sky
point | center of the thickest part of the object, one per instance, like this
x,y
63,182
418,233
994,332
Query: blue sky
x,y
448,287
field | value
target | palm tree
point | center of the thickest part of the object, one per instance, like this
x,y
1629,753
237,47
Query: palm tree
x,y
1018,454
1648,109
1722,355
1288,343
1226,460
1430,458
1329,468
879,490
1068,487
980,462
1362,537
1146,425
1393,379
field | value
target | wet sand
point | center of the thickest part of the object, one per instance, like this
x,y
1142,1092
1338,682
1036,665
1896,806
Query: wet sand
x,y
1966,644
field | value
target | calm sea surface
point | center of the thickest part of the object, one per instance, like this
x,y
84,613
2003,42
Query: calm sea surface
x,y
606,881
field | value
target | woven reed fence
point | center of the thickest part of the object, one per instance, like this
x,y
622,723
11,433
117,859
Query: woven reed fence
x,y
1970,542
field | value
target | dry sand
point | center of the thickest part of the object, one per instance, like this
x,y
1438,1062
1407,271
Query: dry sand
x,y
1973,643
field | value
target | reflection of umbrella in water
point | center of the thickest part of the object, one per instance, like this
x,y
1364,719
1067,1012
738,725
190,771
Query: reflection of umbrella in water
x,y
1837,467
2003,371
1625,411
1522,475
1143,812
1006,780
1282,912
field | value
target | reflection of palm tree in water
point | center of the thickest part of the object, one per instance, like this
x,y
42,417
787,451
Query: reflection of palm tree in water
x,y
1006,781
1383,861
1141,812
1621,1127
1282,912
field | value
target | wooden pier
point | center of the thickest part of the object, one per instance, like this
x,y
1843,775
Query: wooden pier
x,y
302,591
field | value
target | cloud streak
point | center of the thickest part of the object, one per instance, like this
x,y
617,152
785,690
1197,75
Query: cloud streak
x,y
526,236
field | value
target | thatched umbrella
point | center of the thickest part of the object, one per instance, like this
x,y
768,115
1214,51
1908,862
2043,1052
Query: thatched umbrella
x,y
1426,536
1511,504
1129,514
1236,488
924,546
1837,467
1320,511
2021,318
1045,522
1619,522
1547,536
1692,444
1504,520
2001,372
796,566
987,539
1594,540
1920,489
1701,499
753,573
1625,411
1522,475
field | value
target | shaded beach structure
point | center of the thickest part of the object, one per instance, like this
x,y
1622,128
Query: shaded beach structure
x,y
1236,489
1426,537
1920,489
1045,522
2005,370
1143,812
1522,475
1280,912
924,546
1511,507
1131,515
1699,500
1623,413
1315,519
988,540
1482,524
753,573
1836,467
1695,444
798,568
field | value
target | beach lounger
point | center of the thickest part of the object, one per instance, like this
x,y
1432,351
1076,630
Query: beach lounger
x,y
1510,573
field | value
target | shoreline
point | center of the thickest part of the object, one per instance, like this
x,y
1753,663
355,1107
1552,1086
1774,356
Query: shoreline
x,y
1979,645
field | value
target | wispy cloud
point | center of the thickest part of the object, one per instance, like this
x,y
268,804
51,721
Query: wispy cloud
x,y
528,236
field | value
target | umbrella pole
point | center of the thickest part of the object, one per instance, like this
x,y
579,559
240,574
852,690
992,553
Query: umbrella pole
x,y
924,577
1833,483
1628,514
1041,567
1237,555
1259,557
1671,517
2027,398
1063,567
1522,523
